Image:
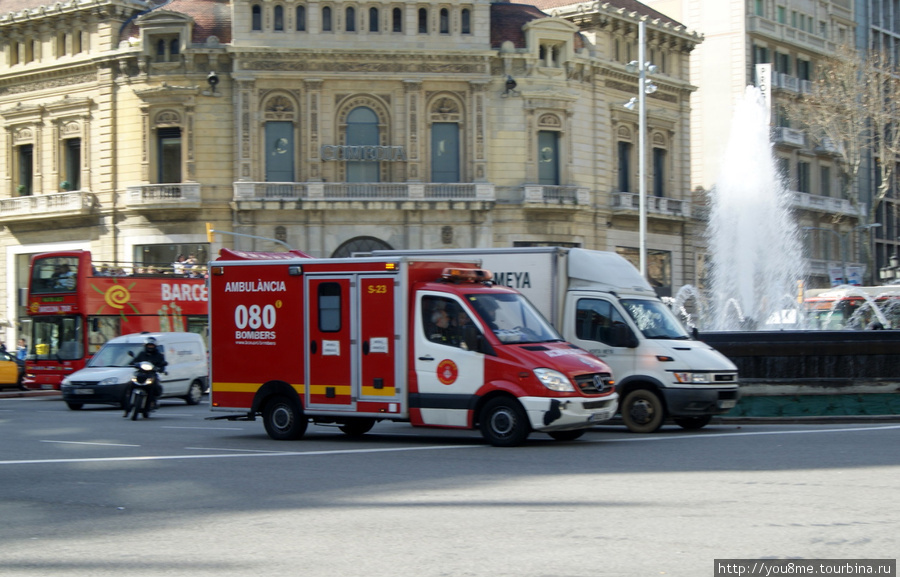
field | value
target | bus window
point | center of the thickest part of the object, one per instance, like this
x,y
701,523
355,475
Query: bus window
x,y
57,338
54,275
102,329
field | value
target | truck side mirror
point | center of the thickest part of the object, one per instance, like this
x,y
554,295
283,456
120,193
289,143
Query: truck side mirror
x,y
622,336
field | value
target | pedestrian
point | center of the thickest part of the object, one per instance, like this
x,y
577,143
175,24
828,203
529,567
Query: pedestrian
x,y
21,350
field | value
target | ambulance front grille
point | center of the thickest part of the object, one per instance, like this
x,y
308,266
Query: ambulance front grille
x,y
595,383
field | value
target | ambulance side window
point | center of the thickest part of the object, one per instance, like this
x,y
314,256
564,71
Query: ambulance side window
x,y
329,298
594,320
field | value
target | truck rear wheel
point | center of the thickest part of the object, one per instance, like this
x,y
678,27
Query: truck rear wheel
x,y
284,419
642,411
504,422
692,423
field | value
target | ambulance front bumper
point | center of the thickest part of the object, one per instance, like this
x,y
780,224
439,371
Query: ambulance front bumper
x,y
566,413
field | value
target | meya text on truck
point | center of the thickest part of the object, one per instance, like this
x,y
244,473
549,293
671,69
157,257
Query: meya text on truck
x,y
354,341
600,302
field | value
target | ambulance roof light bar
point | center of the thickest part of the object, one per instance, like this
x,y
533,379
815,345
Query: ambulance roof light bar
x,y
466,275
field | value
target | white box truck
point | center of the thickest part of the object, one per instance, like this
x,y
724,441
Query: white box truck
x,y
600,302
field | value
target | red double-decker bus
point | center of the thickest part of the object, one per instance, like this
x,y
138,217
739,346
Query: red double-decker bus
x,y
76,305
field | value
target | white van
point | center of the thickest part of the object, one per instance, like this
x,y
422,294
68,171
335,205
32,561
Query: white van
x,y
107,376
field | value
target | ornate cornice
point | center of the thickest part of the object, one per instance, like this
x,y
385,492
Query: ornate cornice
x,y
371,63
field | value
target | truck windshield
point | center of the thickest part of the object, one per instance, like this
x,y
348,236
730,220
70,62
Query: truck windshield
x,y
654,319
512,318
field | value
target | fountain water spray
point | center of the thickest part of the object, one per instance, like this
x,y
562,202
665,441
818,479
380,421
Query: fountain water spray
x,y
753,241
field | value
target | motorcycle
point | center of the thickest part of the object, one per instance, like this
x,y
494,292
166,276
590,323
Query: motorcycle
x,y
145,377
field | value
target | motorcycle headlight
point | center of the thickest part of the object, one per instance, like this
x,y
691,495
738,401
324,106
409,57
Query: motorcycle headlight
x,y
554,380
108,382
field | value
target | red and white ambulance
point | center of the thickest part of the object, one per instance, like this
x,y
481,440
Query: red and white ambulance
x,y
354,341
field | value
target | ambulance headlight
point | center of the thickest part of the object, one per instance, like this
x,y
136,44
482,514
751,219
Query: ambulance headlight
x,y
692,378
554,380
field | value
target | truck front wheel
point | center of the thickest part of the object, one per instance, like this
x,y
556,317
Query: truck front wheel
x,y
642,411
284,419
504,422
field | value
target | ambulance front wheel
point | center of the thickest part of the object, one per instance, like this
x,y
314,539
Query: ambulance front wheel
x,y
504,422
284,419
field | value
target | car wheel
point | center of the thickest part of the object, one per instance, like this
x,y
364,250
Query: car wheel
x,y
357,427
74,406
284,419
504,422
642,411
195,393
566,435
692,423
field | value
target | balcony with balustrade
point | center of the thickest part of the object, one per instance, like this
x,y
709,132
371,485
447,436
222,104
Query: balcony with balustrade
x,y
70,204
658,206
371,195
179,195
544,197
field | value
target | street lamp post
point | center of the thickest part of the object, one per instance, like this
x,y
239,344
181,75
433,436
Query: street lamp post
x,y
645,87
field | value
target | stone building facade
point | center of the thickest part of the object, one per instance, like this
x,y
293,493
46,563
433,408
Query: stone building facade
x,y
336,127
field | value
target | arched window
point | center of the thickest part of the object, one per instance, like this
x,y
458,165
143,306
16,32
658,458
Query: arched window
x,y
350,15
174,47
423,20
362,130
397,20
445,21
256,19
301,18
373,19
161,50
326,19
278,23
360,244
466,21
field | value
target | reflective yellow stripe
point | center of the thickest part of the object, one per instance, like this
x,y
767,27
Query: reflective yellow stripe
x,y
338,390
245,387
373,392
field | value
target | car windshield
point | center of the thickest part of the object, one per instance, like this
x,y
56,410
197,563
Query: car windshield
x,y
512,318
654,319
116,355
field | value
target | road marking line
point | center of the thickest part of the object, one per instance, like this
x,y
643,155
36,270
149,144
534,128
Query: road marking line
x,y
242,455
89,443
742,434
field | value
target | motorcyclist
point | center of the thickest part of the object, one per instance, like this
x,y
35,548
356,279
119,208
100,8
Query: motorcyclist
x,y
153,355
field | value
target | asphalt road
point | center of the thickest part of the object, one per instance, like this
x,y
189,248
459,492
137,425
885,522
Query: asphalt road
x,y
88,493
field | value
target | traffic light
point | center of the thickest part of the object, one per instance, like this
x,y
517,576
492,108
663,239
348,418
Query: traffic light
x,y
210,233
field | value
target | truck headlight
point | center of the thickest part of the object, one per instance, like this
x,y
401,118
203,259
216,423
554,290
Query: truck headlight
x,y
692,378
108,382
554,380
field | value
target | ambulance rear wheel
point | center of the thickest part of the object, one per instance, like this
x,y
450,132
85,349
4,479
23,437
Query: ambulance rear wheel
x,y
284,419
504,422
357,427
642,411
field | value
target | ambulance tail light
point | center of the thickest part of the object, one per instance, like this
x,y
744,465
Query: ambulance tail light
x,y
217,270
466,275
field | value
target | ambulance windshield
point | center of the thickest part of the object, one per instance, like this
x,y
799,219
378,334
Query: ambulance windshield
x,y
512,318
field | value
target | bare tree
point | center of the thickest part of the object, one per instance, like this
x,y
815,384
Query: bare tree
x,y
852,111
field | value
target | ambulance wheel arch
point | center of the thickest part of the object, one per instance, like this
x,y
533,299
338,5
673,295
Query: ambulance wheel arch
x,y
282,411
502,420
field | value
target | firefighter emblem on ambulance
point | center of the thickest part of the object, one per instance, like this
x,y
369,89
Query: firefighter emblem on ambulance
x,y
447,372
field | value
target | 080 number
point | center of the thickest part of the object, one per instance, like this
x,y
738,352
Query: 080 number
x,y
254,317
